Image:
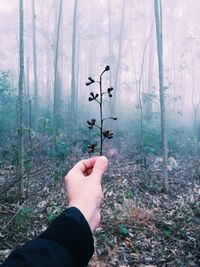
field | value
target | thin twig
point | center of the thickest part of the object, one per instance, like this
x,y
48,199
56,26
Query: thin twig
x,y
5,226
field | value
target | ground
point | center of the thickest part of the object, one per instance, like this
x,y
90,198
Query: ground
x,y
142,224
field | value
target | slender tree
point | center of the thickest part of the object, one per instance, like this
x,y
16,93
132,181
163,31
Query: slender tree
x,y
118,66
73,70
110,48
48,60
158,19
29,105
109,40
56,74
140,94
48,76
34,44
148,104
20,102
195,105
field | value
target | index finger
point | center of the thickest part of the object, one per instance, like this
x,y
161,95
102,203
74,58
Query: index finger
x,y
84,165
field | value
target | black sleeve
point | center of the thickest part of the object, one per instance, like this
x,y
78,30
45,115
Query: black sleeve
x,y
67,242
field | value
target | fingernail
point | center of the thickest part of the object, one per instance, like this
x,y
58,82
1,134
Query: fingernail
x,y
103,158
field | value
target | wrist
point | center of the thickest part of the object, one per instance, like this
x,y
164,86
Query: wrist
x,y
91,218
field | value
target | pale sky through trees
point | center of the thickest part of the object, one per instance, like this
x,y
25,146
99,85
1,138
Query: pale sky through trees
x,y
7,5
180,45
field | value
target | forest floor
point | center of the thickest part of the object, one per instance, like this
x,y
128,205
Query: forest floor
x,y
141,226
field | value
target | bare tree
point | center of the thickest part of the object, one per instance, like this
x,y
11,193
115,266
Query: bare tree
x,y
20,102
110,48
158,18
56,73
148,104
34,43
109,40
140,94
73,104
49,66
29,105
195,105
119,52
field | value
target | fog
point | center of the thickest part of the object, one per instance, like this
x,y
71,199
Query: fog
x,y
104,36
120,34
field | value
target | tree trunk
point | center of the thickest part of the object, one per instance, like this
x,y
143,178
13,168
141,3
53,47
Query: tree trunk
x,y
158,18
35,66
119,57
20,103
29,107
78,85
48,67
149,91
48,76
73,111
110,43
195,105
110,54
140,96
56,74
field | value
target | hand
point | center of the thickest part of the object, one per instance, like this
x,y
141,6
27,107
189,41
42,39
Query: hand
x,y
83,187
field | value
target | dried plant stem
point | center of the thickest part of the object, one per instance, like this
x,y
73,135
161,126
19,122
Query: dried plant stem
x,y
92,123
101,115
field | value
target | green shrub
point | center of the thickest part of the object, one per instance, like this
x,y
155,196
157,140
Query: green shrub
x,y
23,217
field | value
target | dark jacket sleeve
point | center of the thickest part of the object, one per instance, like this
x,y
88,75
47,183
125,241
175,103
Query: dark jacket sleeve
x,y
67,242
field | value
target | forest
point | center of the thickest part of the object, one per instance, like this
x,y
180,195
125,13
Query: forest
x,y
120,78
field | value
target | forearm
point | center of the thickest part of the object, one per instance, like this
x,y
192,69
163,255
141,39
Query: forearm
x,y
67,241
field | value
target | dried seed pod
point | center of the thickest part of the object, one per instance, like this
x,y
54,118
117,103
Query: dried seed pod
x,y
105,133
89,122
96,96
93,121
92,94
90,79
91,148
107,68
110,135
90,98
110,89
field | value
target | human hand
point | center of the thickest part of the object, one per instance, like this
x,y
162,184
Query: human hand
x,y
83,187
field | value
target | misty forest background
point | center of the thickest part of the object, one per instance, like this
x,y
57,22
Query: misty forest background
x,y
63,65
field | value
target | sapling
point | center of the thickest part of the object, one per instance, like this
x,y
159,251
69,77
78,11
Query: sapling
x,y
98,97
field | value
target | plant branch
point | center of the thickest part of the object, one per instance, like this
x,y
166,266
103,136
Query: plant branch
x,y
97,126
101,114
91,123
97,101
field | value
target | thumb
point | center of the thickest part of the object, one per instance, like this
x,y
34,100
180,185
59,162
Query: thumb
x,y
100,167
